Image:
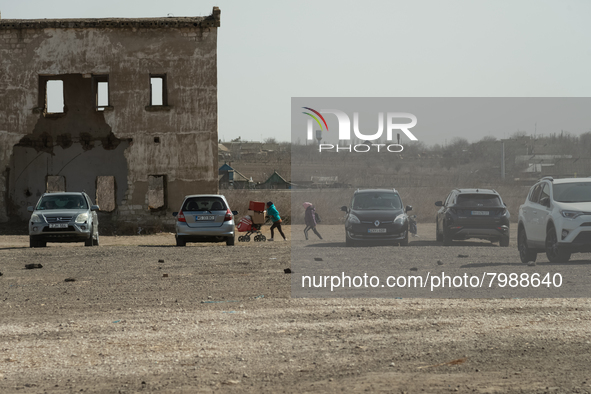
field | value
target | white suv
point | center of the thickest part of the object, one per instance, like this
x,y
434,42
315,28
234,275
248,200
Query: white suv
x,y
556,219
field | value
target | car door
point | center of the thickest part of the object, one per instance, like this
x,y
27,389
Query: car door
x,y
442,210
542,212
530,214
527,211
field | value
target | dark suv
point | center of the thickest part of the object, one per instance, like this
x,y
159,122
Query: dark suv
x,y
472,213
376,215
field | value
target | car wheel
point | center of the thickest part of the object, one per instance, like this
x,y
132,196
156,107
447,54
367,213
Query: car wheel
x,y
404,242
504,242
438,235
90,240
447,241
554,253
180,241
230,241
525,254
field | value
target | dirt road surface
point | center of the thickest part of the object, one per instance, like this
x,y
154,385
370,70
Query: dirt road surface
x,y
213,318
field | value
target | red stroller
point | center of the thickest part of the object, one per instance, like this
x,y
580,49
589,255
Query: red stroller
x,y
247,225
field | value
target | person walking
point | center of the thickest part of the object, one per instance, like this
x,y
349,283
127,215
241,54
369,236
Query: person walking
x,y
310,219
276,219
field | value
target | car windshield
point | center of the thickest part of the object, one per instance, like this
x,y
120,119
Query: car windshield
x,y
204,204
572,192
52,202
478,200
376,200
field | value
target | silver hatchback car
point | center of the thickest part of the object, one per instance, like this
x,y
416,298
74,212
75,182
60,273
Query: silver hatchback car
x,y
63,217
204,218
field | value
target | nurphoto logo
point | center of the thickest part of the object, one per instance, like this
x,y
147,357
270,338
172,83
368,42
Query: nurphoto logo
x,y
344,132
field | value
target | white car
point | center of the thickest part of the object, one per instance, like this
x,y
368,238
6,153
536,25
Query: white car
x,y
555,219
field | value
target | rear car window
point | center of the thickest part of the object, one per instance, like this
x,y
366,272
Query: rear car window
x,y
478,200
204,204
377,200
572,192
52,202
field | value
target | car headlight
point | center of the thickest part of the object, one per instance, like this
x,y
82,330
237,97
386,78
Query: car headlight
x,y
35,218
399,219
353,219
82,218
571,214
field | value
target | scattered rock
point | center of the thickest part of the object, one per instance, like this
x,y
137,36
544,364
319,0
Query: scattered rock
x,y
161,261
69,280
245,375
232,382
33,266
392,364
288,271
463,256
1,274
439,262
414,269
165,275
317,259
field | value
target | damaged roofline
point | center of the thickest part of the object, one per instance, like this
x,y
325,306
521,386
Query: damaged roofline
x,y
212,20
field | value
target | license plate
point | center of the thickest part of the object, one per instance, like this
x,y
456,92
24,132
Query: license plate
x,y
58,225
376,230
204,218
480,213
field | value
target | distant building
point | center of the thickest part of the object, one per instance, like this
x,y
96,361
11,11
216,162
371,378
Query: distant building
x,y
229,178
275,181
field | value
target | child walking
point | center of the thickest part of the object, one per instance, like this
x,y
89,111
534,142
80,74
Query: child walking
x,y
276,219
310,218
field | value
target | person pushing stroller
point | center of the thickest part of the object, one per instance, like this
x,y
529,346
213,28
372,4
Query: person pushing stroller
x,y
310,219
273,213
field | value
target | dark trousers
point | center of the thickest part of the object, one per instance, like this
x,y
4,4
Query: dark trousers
x,y
308,228
277,225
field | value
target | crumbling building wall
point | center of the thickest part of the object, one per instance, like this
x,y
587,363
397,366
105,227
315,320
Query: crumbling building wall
x,y
152,147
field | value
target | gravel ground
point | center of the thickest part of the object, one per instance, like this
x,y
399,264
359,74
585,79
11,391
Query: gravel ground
x,y
216,318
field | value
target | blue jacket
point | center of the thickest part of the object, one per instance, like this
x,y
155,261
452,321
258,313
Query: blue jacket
x,y
273,213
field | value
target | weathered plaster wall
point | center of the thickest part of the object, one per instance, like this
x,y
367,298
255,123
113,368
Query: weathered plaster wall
x,y
185,49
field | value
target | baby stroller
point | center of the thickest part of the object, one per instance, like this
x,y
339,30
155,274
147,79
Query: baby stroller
x,y
247,225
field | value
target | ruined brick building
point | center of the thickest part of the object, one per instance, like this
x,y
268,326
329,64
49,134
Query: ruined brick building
x,y
124,109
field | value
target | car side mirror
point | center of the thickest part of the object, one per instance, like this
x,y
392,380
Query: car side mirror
x,y
408,208
30,209
94,208
439,204
174,214
345,209
234,213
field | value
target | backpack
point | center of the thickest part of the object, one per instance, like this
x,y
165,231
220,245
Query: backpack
x,y
318,220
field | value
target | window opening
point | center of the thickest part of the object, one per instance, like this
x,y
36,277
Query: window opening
x,y
105,193
156,192
54,97
158,94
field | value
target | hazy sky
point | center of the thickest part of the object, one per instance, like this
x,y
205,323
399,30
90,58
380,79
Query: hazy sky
x,y
270,50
